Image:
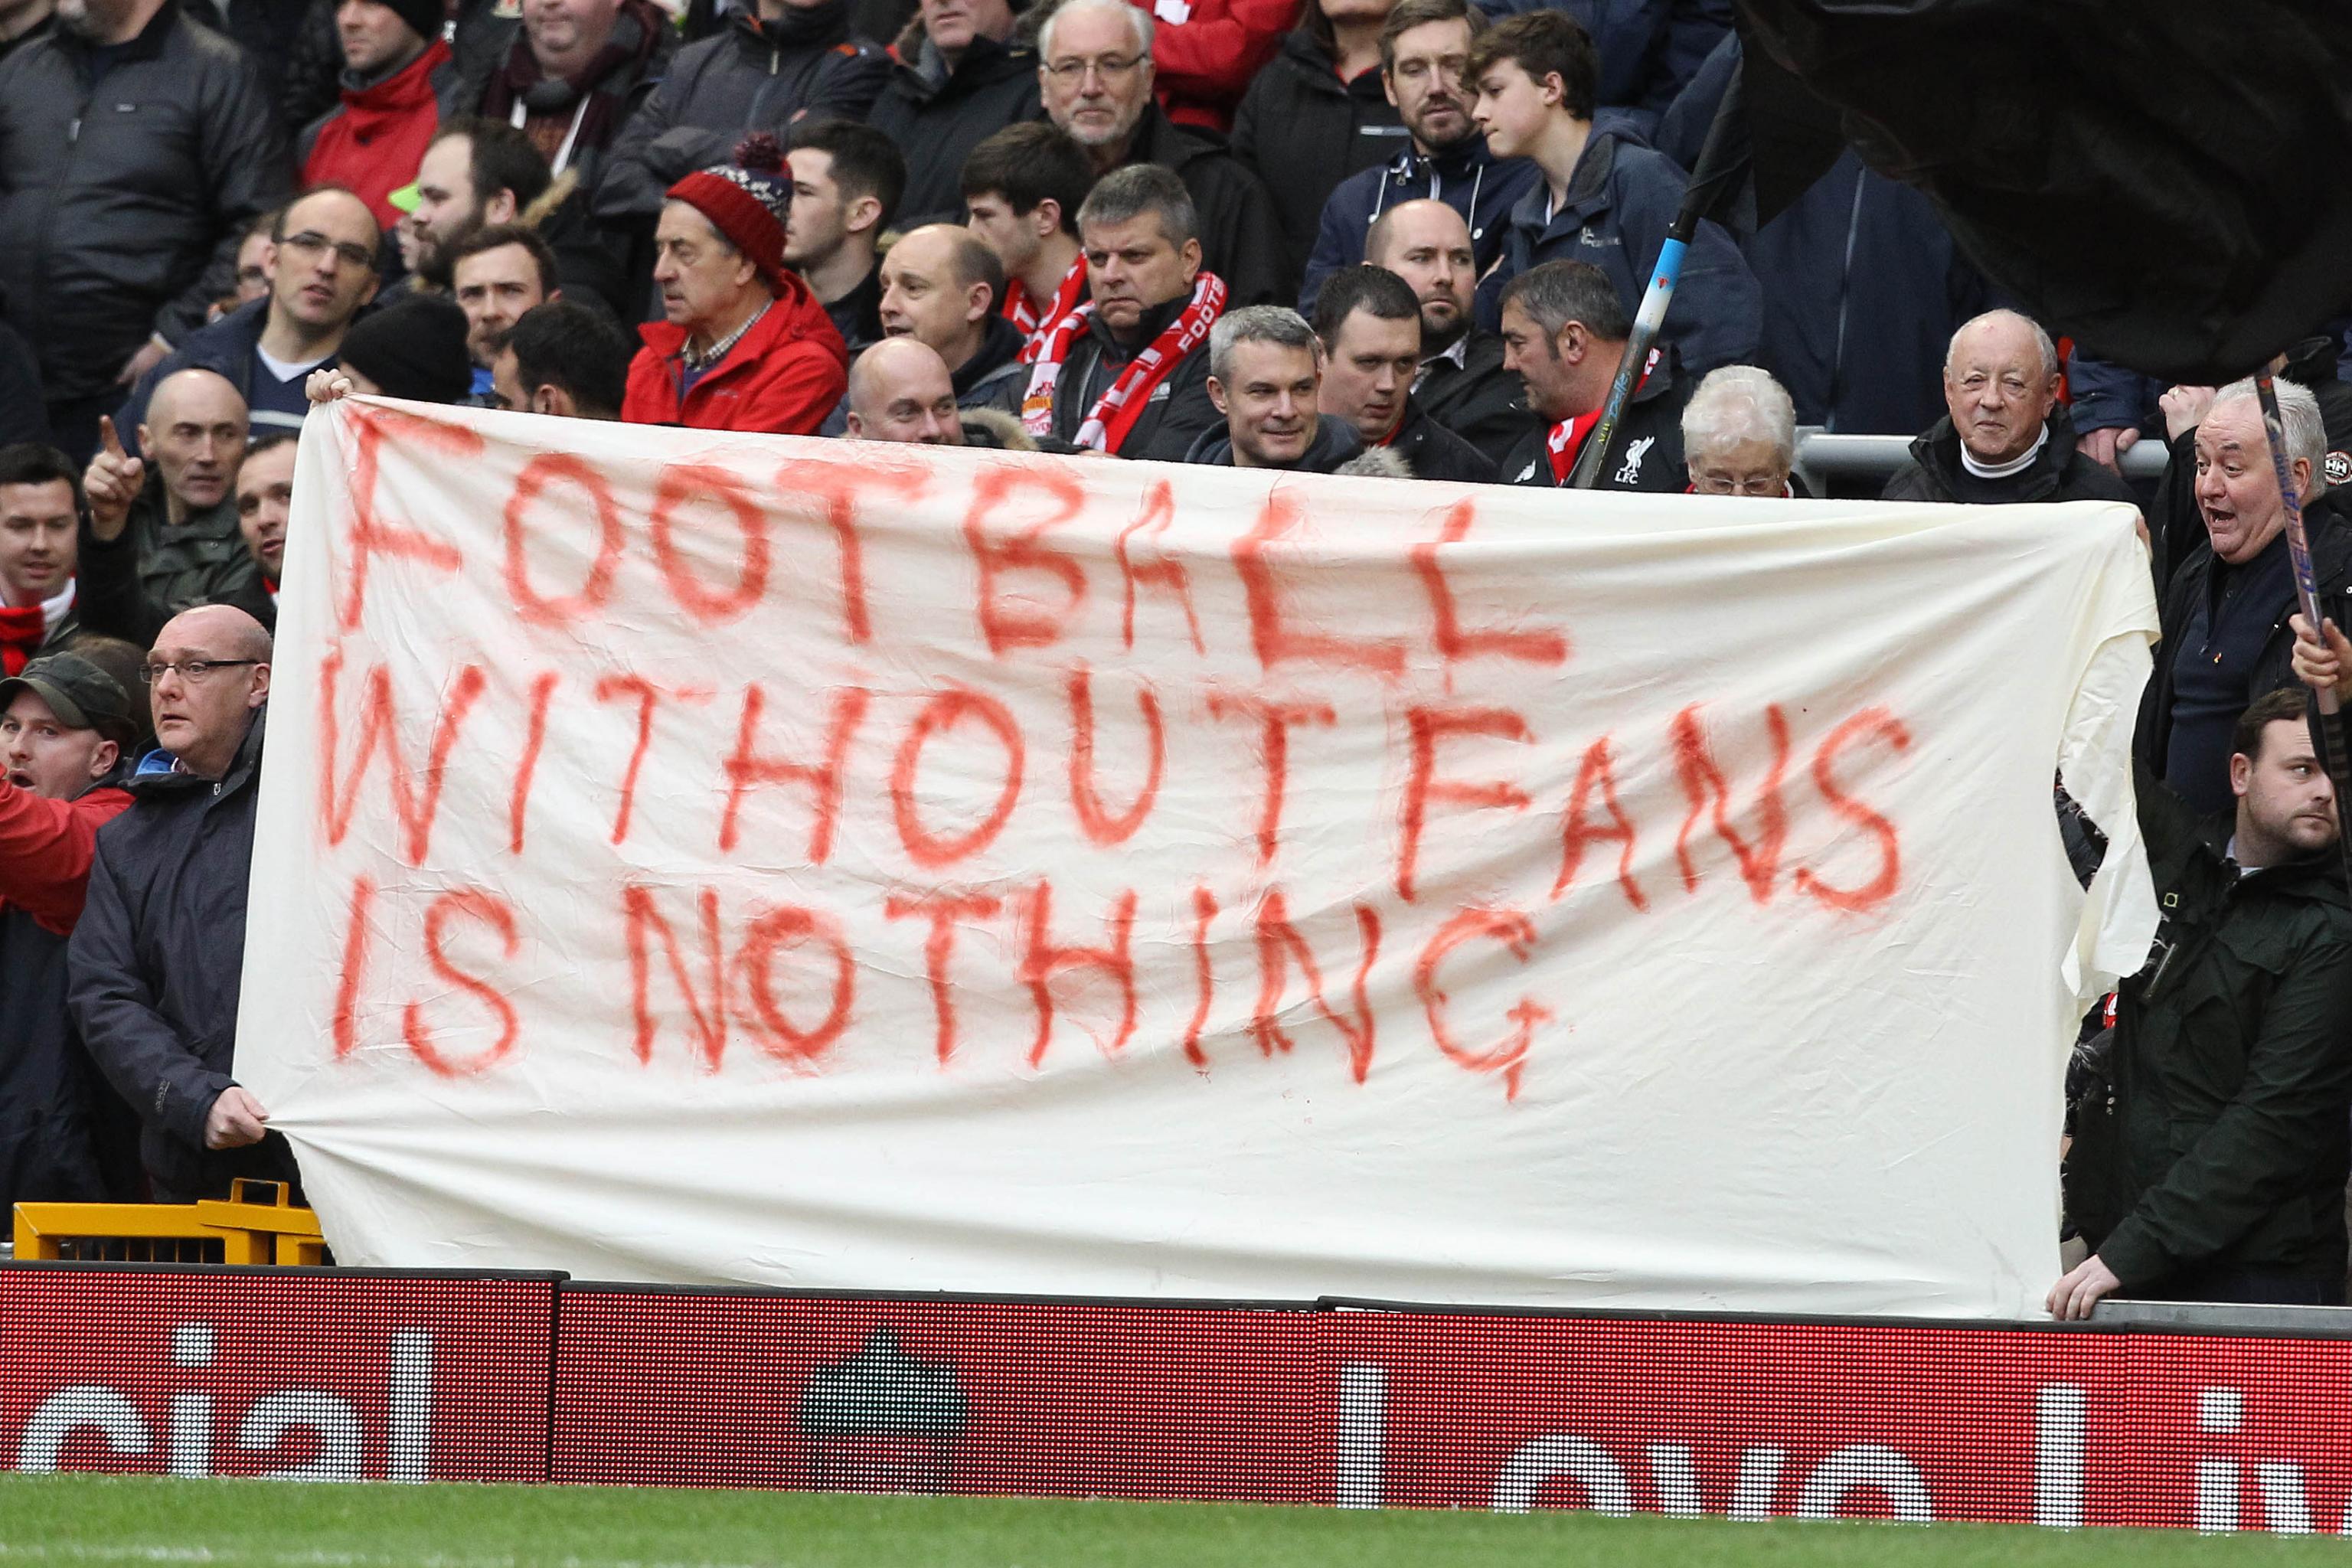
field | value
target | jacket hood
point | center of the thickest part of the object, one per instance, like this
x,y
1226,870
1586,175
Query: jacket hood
x,y
157,776
993,429
1334,443
1377,463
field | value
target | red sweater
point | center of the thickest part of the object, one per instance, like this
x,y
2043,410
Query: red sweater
x,y
1203,65
46,849
374,143
783,377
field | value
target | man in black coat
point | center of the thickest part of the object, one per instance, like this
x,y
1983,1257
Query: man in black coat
x,y
157,961
2004,439
2209,1165
961,76
2226,639
1094,71
1265,372
136,148
1462,383
1564,333
1312,117
1369,324
1133,378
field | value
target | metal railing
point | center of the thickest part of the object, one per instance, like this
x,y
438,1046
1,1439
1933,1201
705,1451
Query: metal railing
x,y
257,1223
1824,460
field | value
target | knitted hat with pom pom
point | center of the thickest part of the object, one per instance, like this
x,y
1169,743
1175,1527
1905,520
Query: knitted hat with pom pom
x,y
748,201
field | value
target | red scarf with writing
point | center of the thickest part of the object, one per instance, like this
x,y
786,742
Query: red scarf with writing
x,y
1566,437
1022,312
1114,413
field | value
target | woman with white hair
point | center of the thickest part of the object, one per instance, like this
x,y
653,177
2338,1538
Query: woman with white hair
x,y
1740,435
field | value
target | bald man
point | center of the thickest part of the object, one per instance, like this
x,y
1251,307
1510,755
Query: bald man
x,y
943,284
1462,382
162,531
2005,436
156,959
899,390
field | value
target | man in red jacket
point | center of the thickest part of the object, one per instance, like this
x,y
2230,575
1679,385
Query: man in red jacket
x,y
394,64
742,346
64,723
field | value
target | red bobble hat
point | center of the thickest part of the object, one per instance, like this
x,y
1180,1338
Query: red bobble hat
x,y
748,201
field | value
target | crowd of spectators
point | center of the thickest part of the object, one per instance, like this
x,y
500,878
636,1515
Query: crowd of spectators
x,y
1398,238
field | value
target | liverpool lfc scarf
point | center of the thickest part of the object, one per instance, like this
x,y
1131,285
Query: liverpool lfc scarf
x,y
1114,413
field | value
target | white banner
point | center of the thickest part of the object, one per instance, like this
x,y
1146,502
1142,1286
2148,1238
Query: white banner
x,y
700,858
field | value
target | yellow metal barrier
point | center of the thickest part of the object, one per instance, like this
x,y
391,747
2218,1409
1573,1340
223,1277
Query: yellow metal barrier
x,y
257,1224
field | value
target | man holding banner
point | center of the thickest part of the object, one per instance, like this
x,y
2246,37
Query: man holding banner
x,y
156,961
2210,1166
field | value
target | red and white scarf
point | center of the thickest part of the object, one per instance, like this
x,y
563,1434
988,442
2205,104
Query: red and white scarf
x,y
23,629
1566,437
1022,312
1114,414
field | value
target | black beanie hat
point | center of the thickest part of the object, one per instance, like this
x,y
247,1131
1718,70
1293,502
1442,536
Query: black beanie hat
x,y
416,349
425,18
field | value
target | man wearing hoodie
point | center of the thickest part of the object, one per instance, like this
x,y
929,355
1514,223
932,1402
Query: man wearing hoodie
x,y
742,344
962,76
1424,52
1266,370
394,67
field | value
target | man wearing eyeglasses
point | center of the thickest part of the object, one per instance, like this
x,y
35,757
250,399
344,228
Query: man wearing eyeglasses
x,y
156,959
321,265
1095,72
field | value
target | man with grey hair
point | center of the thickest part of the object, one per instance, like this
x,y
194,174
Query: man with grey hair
x,y
2226,640
1266,370
1740,435
1127,373
1094,73
2004,436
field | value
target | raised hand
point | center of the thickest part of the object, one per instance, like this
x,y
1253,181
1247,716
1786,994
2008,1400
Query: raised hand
x,y
111,483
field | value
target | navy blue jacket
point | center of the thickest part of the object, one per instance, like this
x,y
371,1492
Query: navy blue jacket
x,y
1649,48
157,962
1620,201
227,346
1482,188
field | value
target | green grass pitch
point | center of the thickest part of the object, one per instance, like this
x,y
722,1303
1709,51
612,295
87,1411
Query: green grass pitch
x,y
101,1519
